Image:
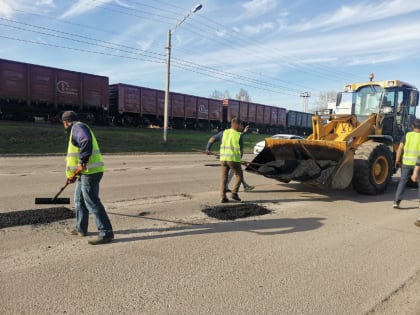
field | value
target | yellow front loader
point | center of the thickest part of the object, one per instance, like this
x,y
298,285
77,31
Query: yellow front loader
x,y
354,144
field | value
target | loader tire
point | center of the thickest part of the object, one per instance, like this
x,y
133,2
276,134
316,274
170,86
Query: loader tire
x,y
372,168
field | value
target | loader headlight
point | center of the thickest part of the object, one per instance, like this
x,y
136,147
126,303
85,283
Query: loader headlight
x,y
389,83
347,88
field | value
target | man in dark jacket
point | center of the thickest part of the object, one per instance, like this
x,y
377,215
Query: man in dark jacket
x,y
85,166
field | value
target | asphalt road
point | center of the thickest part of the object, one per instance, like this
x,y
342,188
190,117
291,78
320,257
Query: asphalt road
x,y
317,252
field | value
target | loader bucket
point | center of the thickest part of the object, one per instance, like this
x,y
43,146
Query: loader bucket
x,y
319,163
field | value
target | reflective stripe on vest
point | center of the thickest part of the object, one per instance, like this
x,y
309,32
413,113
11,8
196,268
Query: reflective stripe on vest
x,y
95,163
411,148
230,149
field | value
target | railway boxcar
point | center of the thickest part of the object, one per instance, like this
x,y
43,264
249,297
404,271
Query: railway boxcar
x,y
266,118
140,106
299,122
28,91
132,105
209,113
282,118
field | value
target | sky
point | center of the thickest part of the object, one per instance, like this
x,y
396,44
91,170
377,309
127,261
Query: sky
x,y
275,50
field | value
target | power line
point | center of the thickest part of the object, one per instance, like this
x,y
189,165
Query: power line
x,y
186,65
137,50
202,33
312,70
78,49
109,45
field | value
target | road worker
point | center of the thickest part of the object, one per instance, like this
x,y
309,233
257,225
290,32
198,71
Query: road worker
x,y
408,150
231,151
246,186
415,178
84,158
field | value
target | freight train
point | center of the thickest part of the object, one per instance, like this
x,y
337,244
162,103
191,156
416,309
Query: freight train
x,y
29,91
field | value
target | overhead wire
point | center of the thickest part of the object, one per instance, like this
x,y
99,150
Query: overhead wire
x,y
78,49
203,33
177,62
132,10
251,43
65,35
306,68
217,26
311,70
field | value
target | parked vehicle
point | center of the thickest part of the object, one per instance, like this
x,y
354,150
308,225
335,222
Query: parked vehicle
x,y
261,145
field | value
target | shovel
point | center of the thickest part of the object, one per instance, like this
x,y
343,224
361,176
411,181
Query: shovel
x,y
56,200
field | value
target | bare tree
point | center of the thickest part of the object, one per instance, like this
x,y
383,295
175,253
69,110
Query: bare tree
x,y
219,95
323,99
243,95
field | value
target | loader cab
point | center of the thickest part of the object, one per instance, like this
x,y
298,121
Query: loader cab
x,y
394,101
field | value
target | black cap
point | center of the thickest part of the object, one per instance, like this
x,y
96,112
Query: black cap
x,y
69,116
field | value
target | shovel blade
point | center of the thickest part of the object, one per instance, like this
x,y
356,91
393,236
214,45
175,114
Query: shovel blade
x,y
52,201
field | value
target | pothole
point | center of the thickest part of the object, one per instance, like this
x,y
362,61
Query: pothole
x,y
237,211
36,216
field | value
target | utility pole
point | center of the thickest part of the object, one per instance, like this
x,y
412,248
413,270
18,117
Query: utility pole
x,y
305,96
168,73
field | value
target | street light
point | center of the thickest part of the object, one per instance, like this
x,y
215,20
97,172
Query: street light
x,y
168,73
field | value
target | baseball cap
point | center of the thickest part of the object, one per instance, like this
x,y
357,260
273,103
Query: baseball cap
x,y
69,116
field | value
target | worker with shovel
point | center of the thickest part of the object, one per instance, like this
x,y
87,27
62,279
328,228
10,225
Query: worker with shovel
x,y
231,150
84,158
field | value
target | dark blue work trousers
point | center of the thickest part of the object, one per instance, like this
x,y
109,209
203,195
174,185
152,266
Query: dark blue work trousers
x,y
86,200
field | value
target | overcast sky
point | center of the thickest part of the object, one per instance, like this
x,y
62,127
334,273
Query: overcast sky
x,y
274,49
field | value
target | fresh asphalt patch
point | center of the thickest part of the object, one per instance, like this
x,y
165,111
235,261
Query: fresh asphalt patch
x,y
236,211
36,216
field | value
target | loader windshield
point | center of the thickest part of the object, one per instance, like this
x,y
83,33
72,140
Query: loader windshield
x,y
367,100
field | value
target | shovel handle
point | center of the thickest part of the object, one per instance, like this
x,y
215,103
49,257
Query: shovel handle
x,y
246,163
67,183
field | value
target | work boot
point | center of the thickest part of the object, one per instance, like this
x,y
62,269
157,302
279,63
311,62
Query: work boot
x,y
73,231
248,188
417,223
101,240
224,200
236,197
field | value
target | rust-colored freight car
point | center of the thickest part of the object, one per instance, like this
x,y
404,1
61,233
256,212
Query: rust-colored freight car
x,y
28,91
140,106
268,119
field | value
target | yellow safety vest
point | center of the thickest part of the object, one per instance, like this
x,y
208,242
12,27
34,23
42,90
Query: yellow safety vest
x,y
411,148
95,163
230,149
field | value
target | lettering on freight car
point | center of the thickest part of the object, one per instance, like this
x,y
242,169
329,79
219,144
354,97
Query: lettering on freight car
x,y
42,78
202,109
12,75
64,88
